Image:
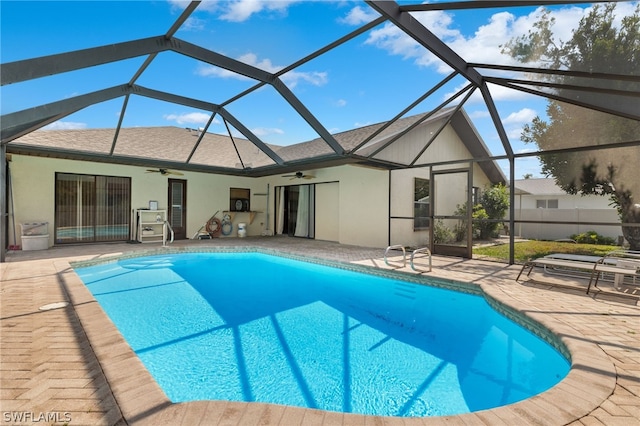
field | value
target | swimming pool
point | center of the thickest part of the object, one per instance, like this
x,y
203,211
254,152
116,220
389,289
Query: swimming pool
x,y
253,327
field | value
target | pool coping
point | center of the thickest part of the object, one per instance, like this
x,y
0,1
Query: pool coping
x,y
143,402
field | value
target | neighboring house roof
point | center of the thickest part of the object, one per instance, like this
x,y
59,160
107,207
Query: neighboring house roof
x,y
538,186
188,149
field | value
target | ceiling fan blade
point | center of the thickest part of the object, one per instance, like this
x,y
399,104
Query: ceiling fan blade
x,y
169,172
153,171
308,177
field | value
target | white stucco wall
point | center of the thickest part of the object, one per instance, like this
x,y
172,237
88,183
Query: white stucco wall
x,y
364,200
33,180
361,197
452,193
328,211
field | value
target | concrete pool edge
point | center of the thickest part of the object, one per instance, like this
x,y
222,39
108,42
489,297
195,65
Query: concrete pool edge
x,y
141,400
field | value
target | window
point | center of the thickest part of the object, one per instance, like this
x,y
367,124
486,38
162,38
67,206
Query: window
x,y
239,199
421,204
92,208
547,204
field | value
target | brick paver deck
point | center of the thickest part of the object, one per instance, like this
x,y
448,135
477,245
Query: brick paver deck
x,y
63,362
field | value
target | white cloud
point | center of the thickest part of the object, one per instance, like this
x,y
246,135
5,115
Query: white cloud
x,y
213,71
525,115
359,16
264,64
65,125
525,150
264,131
315,78
514,133
484,45
188,118
193,24
479,114
241,10
516,120
498,93
397,42
291,79
238,10
341,103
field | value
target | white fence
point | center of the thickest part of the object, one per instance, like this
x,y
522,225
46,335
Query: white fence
x,y
553,231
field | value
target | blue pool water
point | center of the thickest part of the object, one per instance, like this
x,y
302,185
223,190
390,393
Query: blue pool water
x,y
255,327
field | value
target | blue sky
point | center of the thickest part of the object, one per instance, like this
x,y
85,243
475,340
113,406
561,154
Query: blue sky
x,y
367,80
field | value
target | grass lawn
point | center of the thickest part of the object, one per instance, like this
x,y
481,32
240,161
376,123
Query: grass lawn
x,y
528,250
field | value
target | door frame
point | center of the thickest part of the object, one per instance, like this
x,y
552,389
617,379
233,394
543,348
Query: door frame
x,y
450,249
181,234
288,211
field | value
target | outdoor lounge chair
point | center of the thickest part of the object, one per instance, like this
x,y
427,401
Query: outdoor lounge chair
x,y
617,263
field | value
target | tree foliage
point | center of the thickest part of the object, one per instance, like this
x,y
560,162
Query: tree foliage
x,y
600,45
494,203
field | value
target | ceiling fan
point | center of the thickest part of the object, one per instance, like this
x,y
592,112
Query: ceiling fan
x,y
299,175
165,172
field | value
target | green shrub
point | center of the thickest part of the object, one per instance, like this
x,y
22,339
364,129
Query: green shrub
x,y
441,233
495,202
592,237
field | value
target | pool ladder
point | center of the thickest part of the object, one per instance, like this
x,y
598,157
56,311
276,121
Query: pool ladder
x,y
404,256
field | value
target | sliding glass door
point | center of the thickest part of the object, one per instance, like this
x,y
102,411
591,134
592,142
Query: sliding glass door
x,y
295,210
92,208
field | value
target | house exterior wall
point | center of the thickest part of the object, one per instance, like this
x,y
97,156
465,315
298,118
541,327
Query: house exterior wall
x,y
33,180
351,203
364,201
402,200
328,211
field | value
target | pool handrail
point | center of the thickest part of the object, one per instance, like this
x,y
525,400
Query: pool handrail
x,y
164,238
404,254
420,250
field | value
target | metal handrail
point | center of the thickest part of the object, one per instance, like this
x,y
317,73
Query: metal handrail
x,y
404,254
164,239
421,250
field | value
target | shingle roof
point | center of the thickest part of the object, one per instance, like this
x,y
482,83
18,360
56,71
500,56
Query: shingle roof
x,y
179,147
538,186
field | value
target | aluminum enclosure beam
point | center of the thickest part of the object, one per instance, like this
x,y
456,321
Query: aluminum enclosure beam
x,y
4,210
622,106
14,124
29,69
207,106
222,61
497,122
250,135
19,123
426,38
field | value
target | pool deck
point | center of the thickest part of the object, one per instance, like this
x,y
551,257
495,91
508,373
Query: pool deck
x,y
69,365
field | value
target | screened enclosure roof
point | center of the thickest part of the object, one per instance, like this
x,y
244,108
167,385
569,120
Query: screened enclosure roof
x,y
280,86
